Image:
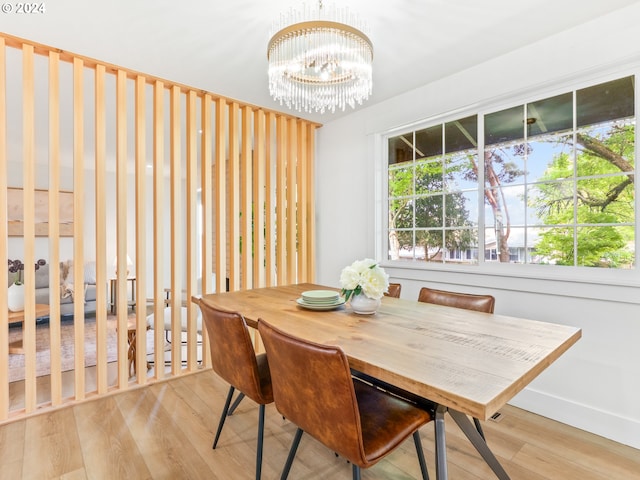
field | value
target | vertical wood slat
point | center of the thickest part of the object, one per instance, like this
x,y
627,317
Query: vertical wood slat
x,y
4,333
141,229
28,201
54,228
158,226
268,202
281,213
292,149
220,195
121,227
259,240
176,217
206,196
311,209
78,224
101,228
233,212
191,186
301,210
246,204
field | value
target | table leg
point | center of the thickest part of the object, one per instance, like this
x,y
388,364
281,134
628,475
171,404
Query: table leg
x,y
133,294
132,338
113,296
131,354
441,444
476,440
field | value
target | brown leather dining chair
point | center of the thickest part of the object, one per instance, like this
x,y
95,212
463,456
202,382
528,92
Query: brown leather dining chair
x,y
234,359
394,290
468,301
313,388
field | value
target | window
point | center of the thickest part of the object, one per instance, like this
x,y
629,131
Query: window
x,y
557,181
433,193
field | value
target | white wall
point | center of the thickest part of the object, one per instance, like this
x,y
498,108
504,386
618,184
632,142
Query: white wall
x,y
596,384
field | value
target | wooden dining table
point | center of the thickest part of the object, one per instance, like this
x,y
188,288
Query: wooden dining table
x,y
469,363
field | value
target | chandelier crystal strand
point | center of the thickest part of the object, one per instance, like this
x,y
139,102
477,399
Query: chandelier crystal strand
x,y
319,59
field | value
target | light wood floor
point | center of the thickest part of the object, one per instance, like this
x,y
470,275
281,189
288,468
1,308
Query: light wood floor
x,y
165,431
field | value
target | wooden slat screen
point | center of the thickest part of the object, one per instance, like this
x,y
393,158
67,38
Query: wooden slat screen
x,y
28,186
78,223
54,222
4,230
175,220
206,200
158,221
101,227
121,223
204,192
141,213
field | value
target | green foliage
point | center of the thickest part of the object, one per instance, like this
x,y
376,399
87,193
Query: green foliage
x,y
604,199
350,293
419,200
597,246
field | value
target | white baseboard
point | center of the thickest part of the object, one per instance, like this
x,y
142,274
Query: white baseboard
x,y
606,424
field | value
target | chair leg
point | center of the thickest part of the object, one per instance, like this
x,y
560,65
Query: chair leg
x,y
292,454
235,404
479,427
260,438
356,472
420,452
223,416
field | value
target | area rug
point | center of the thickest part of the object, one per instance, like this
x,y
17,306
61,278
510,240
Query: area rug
x,y
67,335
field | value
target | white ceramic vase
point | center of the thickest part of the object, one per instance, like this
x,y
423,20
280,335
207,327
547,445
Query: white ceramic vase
x,y
15,297
363,305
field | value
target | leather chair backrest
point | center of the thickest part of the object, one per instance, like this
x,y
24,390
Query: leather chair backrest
x,y
232,353
394,290
468,301
313,388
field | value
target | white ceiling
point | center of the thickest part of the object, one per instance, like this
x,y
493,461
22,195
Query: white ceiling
x,y
221,46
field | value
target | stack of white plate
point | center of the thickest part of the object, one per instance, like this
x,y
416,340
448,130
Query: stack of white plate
x,y
320,300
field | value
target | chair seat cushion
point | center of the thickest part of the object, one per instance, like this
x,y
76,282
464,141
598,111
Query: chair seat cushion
x,y
381,412
183,320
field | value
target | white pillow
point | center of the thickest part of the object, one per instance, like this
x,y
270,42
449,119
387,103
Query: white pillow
x,y
90,273
66,271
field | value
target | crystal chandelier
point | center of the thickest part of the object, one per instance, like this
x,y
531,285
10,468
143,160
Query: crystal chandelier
x,y
319,60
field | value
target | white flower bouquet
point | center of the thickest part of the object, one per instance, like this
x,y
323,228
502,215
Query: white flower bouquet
x,y
366,277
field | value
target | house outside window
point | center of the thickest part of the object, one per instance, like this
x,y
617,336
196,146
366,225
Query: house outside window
x,y
556,179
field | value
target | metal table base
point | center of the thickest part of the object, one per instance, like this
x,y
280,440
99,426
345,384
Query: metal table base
x,y
474,437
